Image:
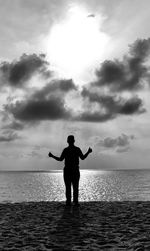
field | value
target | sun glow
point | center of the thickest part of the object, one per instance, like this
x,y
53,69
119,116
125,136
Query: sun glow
x,y
76,43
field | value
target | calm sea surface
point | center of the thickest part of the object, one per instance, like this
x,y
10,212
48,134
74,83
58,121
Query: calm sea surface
x,y
94,186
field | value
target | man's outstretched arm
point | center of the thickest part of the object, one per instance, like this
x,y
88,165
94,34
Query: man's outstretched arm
x,y
83,156
61,158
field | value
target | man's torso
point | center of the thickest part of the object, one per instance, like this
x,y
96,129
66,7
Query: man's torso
x,y
71,156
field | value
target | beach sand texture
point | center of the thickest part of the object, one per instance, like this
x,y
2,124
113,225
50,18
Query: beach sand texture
x,y
92,226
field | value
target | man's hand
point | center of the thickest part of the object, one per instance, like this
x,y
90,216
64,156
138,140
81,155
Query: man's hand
x,y
90,150
50,154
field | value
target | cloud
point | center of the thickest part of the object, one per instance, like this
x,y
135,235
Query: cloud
x,y
8,136
18,72
36,110
34,154
113,78
110,106
131,106
128,74
88,116
14,125
45,104
119,144
98,105
62,86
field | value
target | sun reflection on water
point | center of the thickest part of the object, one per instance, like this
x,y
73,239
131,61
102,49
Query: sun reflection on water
x,y
94,186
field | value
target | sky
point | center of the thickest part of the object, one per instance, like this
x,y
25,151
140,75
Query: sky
x,y
74,67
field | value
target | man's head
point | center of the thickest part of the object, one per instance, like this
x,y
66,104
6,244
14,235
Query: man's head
x,y
70,140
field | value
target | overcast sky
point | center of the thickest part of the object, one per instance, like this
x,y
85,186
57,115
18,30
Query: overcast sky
x,y
74,67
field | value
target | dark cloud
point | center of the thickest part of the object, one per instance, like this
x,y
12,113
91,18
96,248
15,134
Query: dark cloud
x,y
46,105
88,116
18,72
118,76
140,49
120,144
110,106
63,85
131,106
8,136
43,104
128,74
36,110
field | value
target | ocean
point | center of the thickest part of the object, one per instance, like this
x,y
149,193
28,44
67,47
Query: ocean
x,y
120,185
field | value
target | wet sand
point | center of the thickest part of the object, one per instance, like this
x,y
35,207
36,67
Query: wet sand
x,y
92,226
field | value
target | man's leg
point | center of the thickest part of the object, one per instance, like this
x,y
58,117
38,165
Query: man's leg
x,y
75,183
67,181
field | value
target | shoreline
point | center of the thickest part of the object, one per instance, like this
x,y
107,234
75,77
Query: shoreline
x,y
93,226
81,169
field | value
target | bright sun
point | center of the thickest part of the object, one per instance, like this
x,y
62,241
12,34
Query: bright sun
x,y
76,43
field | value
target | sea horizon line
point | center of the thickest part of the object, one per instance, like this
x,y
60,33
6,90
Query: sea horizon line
x,y
61,170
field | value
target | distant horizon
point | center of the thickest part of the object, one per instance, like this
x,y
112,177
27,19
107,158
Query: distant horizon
x,y
61,170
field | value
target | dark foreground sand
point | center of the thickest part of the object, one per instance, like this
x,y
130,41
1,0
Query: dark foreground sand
x,y
93,226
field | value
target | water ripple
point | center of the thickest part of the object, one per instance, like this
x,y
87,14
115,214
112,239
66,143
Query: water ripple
x,y
94,186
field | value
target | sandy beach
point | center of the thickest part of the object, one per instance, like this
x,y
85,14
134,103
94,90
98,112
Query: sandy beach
x,y
92,226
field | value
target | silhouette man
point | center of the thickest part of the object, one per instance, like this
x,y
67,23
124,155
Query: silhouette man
x,y
71,155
